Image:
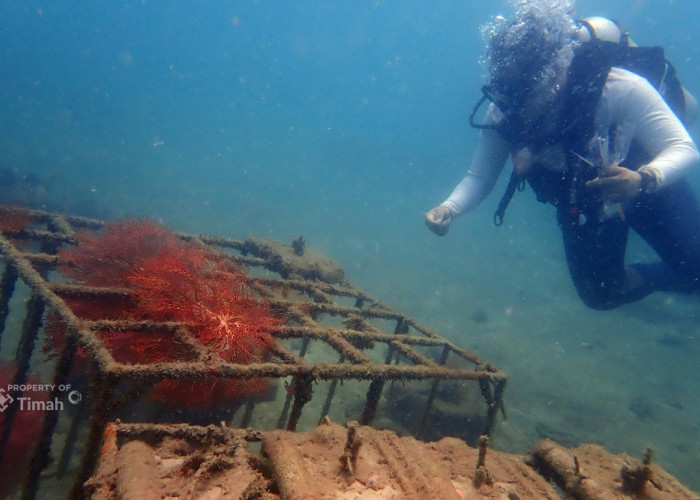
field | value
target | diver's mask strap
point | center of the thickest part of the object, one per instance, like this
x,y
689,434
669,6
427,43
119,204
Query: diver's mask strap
x,y
488,94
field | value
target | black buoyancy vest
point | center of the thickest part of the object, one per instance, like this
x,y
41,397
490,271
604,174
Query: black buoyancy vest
x,y
586,78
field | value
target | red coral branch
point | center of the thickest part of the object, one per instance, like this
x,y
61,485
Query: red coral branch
x,y
105,258
210,392
171,280
193,285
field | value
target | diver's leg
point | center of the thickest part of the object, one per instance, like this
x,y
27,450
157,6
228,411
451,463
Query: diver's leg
x,y
669,220
595,254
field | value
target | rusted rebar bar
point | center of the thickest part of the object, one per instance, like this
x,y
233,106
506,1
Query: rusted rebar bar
x,y
284,415
431,395
25,348
303,391
330,395
494,401
7,288
41,456
101,398
373,394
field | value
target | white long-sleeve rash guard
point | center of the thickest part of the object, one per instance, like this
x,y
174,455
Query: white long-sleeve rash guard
x,y
626,97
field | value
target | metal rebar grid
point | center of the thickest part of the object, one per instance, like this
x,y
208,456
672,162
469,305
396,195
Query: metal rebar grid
x,y
368,340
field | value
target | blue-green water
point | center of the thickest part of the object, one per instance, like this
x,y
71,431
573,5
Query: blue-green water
x,y
345,121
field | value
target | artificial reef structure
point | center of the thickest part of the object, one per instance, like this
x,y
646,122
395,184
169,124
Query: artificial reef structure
x,y
130,322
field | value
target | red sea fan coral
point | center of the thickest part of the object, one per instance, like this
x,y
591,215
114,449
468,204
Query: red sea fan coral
x,y
125,346
195,286
106,258
140,348
207,393
171,280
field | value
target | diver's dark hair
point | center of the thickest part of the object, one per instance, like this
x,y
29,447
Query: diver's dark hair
x,y
518,49
526,50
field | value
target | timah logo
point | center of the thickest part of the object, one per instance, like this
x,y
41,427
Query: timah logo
x,y
5,400
41,403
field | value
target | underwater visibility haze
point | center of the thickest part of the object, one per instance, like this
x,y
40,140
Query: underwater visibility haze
x,y
345,122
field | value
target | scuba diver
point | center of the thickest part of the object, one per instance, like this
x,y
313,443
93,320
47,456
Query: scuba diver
x,y
595,125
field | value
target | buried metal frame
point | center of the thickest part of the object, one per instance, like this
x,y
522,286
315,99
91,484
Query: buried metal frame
x,y
301,323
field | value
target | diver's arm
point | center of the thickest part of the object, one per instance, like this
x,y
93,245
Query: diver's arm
x,y
658,130
488,161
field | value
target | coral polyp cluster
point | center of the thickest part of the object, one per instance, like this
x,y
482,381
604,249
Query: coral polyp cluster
x,y
169,279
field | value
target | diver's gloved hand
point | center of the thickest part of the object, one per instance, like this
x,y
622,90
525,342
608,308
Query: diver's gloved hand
x,y
616,184
438,220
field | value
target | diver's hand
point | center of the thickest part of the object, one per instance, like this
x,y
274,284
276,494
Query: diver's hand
x,y
438,220
616,184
